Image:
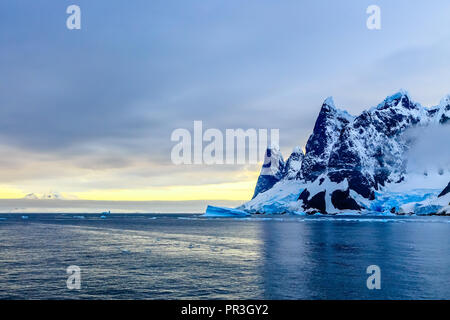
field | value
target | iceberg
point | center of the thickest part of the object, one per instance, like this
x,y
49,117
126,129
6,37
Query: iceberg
x,y
212,211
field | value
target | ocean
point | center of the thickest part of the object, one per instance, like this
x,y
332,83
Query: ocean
x,y
186,256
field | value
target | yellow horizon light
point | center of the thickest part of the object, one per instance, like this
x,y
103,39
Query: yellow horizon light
x,y
224,191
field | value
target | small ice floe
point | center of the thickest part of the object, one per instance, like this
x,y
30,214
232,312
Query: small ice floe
x,y
24,217
212,211
187,218
125,251
104,214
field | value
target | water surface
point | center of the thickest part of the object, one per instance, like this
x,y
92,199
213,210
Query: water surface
x,y
185,256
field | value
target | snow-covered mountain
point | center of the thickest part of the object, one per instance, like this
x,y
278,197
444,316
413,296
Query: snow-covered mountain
x,y
272,170
363,163
44,196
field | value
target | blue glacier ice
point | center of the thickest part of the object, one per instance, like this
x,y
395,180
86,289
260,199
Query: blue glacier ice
x,y
213,211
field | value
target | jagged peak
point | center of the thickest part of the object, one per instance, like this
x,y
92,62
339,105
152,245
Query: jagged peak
x,y
403,92
274,147
273,152
297,150
394,99
329,102
329,107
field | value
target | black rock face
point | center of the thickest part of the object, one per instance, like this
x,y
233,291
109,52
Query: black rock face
x,y
445,191
304,196
327,128
272,171
344,154
316,202
343,201
357,181
444,119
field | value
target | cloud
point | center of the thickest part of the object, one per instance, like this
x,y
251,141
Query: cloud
x,y
95,108
430,149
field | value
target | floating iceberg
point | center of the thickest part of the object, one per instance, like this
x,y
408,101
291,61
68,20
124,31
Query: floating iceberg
x,y
212,211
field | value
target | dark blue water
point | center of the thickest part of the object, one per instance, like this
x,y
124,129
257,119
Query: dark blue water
x,y
185,256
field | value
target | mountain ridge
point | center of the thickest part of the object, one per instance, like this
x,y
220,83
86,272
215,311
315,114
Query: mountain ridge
x,y
349,160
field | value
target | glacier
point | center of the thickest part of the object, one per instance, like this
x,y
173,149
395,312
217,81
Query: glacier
x,y
393,158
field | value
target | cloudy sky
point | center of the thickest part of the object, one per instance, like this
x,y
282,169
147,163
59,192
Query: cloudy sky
x,y
89,113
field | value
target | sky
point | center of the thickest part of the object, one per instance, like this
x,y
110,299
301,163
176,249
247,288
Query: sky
x,y
89,113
